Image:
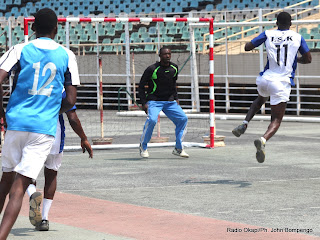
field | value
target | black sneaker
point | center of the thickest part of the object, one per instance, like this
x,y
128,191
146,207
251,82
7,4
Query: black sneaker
x,y
260,155
34,212
240,129
43,226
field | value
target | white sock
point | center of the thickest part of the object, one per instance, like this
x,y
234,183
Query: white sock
x,y
46,208
263,140
245,122
31,189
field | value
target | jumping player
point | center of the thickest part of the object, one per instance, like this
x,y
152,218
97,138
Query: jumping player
x,y
282,46
42,69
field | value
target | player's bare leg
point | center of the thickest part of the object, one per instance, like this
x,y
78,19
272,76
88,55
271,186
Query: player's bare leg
x,y
5,186
254,108
11,213
277,113
49,191
50,183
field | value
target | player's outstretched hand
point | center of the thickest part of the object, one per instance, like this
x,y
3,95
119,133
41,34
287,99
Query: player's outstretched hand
x,y
85,145
145,108
3,121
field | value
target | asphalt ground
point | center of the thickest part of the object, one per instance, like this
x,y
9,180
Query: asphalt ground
x,y
220,193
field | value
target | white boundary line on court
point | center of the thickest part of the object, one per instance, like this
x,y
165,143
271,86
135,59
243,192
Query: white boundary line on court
x,y
227,117
135,145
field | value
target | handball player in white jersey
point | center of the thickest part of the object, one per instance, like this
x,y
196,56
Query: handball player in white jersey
x,y
42,68
282,46
51,166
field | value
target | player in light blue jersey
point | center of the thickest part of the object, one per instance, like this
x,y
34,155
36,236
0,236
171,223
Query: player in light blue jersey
x,y
282,46
41,68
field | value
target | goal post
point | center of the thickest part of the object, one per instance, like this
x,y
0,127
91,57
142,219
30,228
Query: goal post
x,y
125,20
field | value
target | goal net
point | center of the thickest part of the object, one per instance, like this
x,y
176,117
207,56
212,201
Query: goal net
x,y
112,54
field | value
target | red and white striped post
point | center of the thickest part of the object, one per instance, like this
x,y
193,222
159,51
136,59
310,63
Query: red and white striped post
x,y
211,86
101,97
211,62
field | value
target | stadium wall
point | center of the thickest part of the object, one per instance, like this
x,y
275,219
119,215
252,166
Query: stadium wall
x,y
244,66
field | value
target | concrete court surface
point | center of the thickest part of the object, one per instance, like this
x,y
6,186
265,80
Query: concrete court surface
x,y
221,193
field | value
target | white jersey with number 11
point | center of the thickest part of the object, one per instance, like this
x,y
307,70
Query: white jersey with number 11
x,y
282,47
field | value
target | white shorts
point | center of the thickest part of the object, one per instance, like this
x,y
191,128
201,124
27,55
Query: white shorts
x,y
277,91
56,144
25,152
53,161
54,158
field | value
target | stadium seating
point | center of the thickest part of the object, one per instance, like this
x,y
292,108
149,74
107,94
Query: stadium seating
x,y
86,33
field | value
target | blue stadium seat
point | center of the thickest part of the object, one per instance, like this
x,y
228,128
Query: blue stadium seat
x,y
2,38
152,30
185,35
173,30
74,39
149,47
163,30
106,40
168,9
91,8
138,10
3,6
134,37
306,35
220,7
194,4
314,30
101,30
61,10
117,47
317,36
155,7
119,26
209,7
8,14
111,32
145,36
166,39
142,30
311,45
15,12
123,37
184,4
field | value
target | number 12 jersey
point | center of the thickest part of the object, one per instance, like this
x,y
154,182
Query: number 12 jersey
x,y
41,69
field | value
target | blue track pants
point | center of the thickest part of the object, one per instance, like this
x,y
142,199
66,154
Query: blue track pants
x,y
173,111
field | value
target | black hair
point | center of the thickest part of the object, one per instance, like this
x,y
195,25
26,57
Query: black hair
x,y
165,47
284,19
45,21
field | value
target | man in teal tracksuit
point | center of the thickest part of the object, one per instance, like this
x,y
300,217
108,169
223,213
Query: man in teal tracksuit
x,y
162,95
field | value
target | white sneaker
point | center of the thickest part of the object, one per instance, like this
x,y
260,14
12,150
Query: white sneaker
x,y
34,211
143,153
180,153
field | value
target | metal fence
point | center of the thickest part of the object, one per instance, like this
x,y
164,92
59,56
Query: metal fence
x,y
235,71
